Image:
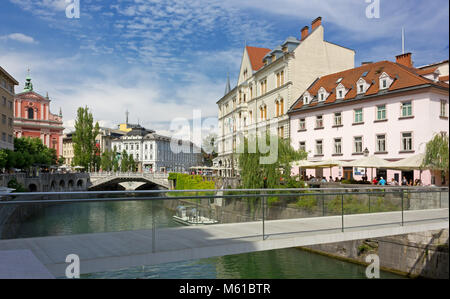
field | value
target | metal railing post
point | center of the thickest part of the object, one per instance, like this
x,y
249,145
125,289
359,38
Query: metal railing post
x,y
153,228
369,202
440,199
342,208
263,215
402,208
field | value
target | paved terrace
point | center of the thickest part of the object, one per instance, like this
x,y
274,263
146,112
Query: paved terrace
x,y
119,250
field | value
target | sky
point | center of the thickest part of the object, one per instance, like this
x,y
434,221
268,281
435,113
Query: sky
x,y
163,59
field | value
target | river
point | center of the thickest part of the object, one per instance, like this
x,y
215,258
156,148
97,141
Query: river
x,y
78,218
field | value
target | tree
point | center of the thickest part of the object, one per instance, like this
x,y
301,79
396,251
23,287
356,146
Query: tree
x,y
3,158
106,161
86,153
124,161
115,163
131,164
436,154
254,173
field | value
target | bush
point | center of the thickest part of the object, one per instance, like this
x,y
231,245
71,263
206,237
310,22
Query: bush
x,y
14,184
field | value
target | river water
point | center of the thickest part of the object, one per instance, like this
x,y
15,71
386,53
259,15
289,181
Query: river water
x,y
78,218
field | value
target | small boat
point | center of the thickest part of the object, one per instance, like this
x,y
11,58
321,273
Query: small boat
x,y
191,216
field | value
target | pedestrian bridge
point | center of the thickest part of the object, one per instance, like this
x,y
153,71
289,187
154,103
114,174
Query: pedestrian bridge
x,y
109,251
103,179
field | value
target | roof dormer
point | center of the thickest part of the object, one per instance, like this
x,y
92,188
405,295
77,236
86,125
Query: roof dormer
x,y
385,81
322,94
306,98
341,91
362,86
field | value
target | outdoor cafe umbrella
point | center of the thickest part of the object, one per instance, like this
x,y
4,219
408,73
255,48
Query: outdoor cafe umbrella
x,y
411,163
369,162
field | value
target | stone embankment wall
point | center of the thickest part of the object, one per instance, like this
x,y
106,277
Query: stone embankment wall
x,y
414,255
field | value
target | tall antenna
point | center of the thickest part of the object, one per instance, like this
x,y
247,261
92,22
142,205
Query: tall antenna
x,y
403,40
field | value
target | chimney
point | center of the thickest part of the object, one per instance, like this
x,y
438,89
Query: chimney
x,y
316,23
404,59
366,62
305,31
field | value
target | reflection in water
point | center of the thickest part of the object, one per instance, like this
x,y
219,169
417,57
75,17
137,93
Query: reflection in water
x,y
79,218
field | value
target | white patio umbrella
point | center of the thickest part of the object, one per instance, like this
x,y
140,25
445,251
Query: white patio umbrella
x,y
369,162
411,163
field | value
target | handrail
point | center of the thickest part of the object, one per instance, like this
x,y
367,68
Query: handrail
x,y
319,191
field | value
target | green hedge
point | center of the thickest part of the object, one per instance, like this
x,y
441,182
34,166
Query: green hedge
x,y
191,182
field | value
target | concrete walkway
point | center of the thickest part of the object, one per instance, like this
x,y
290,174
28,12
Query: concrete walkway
x,y
119,250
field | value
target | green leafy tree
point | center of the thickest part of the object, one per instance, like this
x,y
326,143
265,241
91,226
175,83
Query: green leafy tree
x,y
86,153
115,163
124,161
436,154
107,161
3,158
253,172
209,149
131,164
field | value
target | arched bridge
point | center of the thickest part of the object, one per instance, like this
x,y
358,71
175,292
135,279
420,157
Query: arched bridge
x,y
104,179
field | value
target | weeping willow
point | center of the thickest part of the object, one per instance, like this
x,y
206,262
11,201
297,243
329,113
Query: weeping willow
x,y
436,155
254,171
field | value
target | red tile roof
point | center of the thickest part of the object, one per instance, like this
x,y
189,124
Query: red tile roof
x,y
256,56
404,77
426,71
443,78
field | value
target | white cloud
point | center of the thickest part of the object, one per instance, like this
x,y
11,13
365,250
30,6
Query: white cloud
x,y
19,37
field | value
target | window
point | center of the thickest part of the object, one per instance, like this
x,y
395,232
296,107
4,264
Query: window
x,y
361,88
319,121
10,122
358,116
319,148
263,86
302,124
281,106
251,92
406,109
384,83
302,146
340,94
381,112
338,119
30,113
4,137
443,108
338,146
358,145
3,119
381,143
250,117
131,146
4,101
322,97
10,105
407,141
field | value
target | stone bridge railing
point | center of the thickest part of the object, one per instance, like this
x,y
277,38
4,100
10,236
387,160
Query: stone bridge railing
x,y
99,178
49,182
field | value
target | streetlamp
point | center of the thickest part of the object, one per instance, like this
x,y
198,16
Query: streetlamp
x,y
366,154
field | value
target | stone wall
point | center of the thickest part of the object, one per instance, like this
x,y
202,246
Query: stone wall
x,y
414,255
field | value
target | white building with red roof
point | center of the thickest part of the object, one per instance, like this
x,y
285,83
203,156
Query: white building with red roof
x,y
269,83
387,109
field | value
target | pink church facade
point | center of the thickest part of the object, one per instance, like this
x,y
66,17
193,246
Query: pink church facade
x,y
384,109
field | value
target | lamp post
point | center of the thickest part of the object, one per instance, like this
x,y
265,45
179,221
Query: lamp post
x,y
366,154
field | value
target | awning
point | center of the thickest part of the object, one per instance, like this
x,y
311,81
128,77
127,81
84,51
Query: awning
x,y
368,162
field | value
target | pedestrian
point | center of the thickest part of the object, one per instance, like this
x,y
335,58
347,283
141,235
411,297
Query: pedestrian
x,y
382,182
404,181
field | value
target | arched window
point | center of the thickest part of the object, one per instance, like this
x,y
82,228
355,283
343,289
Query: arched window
x,y
30,113
278,108
281,107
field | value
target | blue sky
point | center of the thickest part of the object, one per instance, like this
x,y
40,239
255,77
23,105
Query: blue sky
x,y
162,59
